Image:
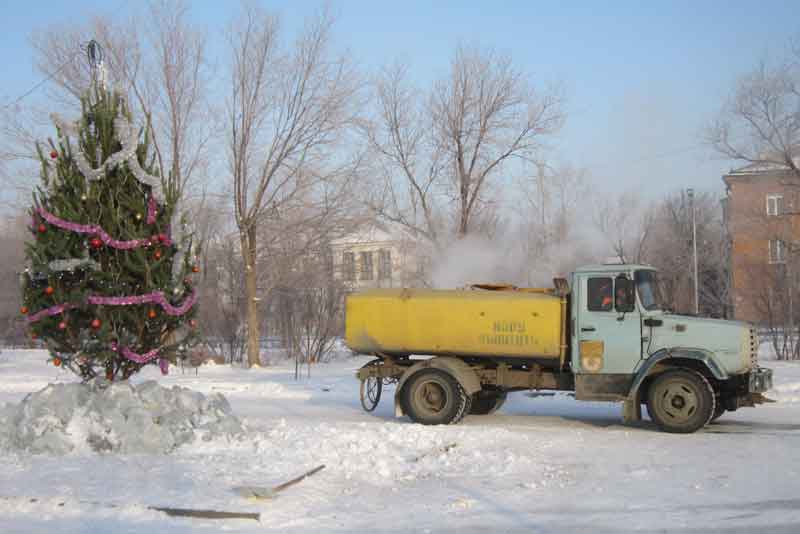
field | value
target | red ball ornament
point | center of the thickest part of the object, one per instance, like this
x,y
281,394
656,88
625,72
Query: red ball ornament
x,y
57,361
96,243
162,238
54,154
195,269
23,310
49,290
157,254
151,314
96,324
62,325
42,228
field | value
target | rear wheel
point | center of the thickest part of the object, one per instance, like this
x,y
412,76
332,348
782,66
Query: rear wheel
x,y
487,402
681,401
434,397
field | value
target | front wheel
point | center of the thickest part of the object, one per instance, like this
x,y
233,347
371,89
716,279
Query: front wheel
x,y
681,401
434,397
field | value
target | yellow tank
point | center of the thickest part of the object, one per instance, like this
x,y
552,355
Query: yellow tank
x,y
516,323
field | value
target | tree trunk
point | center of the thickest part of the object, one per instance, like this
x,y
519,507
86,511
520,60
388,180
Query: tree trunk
x,y
250,279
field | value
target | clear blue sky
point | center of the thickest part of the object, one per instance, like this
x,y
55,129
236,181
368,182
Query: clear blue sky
x,y
642,78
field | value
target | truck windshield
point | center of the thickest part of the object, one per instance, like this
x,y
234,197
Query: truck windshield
x,y
647,287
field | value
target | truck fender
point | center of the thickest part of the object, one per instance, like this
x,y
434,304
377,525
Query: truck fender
x,y
632,408
457,368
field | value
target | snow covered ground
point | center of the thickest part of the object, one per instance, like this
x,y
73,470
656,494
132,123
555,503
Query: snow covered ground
x,y
542,464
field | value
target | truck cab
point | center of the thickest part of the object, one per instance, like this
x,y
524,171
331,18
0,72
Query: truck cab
x,y
627,347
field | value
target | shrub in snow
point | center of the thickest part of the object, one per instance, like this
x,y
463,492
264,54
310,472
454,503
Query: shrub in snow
x,y
114,417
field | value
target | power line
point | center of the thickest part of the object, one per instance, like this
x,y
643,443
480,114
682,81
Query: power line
x,y
82,49
42,82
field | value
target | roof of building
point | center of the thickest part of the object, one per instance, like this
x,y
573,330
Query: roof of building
x,y
763,167
373,233
606,268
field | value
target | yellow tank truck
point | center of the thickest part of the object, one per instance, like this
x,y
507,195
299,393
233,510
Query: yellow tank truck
x,y
602,334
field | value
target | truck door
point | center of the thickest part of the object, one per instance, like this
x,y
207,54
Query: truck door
x,y
607,341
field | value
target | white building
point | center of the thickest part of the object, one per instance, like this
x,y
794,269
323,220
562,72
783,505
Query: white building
x,y
378,256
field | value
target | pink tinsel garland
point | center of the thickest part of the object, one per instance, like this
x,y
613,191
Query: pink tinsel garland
x,y
139,358
47,312
101,234
163,363
156,297
151,210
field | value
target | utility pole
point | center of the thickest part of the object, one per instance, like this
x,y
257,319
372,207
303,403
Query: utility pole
x,y
690,194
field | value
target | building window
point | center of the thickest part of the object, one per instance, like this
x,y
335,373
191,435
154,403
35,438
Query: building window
x,y
777,251
774,205
385,265
349,266
600,291
366,265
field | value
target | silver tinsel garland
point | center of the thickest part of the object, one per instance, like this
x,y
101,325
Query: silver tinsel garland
x,y
128,137
71,265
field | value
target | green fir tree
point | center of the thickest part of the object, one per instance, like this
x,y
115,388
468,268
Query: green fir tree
x,y
106,289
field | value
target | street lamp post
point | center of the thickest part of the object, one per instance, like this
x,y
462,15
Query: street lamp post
x,y
690,194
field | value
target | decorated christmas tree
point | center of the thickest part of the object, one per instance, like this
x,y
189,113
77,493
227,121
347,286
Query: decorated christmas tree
x,y
107,289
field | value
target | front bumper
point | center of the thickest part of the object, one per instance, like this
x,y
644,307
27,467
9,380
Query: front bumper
x,y
760,380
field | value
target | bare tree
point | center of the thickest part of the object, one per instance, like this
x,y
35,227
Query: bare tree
x,y
308,310
669,248
760,124
12,237
409,161
485,115
445,146
223,299
286,111
626,222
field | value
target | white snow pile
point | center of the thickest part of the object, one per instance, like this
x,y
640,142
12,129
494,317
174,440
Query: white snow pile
x,y
114,417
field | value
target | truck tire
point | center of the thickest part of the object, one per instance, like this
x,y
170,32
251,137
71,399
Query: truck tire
x,y
681,401
434,397
486,402
719,409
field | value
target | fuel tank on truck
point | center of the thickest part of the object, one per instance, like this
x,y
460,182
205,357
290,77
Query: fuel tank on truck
x,y
509,324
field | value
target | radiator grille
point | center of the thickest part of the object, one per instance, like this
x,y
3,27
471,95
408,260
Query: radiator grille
x,y
753,348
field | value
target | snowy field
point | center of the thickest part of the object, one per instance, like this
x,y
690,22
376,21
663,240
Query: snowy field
x,y
542,464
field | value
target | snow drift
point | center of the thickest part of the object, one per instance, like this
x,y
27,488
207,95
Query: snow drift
x,y
114,417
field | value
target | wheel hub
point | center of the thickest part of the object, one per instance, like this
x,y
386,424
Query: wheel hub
x,y
679,402
432,397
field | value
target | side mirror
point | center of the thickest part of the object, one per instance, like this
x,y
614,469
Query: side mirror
x,y
624,296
